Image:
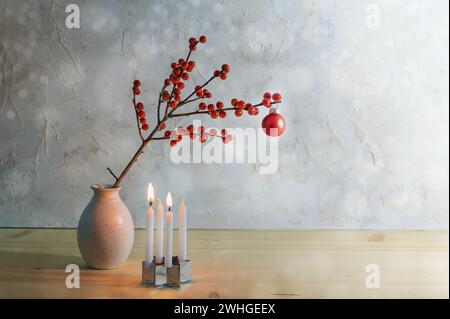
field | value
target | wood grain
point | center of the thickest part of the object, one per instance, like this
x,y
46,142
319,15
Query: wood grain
x,y
239,264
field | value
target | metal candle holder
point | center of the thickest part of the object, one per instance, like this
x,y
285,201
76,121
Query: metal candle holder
x,y
179,273
157,275
154,274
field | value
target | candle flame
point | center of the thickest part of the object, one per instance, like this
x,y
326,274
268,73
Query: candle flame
x,y
150,193
169,201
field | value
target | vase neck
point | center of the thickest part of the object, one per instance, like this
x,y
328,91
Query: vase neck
x,y
105,191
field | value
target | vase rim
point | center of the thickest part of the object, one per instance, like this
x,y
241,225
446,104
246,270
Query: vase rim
x,y
105,187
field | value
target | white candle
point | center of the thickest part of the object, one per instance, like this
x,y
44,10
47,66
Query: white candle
x,y
149,229
168,231
159,233
182,232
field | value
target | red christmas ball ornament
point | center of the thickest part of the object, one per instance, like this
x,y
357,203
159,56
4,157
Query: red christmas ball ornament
x,y
274,124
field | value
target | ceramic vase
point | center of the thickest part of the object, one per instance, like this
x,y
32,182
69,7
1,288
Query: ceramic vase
x,y
105,230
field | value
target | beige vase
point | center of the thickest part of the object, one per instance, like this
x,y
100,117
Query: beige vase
x,y
105,230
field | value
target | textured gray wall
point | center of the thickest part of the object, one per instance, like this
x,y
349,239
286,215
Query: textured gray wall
x,y
366,98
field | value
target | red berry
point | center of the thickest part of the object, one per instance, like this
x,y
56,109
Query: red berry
x,y
234,101
173,143
192,40
226,139
223,76
216,73
173,104
251,110
179,138
213,114
191,64
190,128
224,132
256,111
137,83
142,120
185,76
276,97
177,71
222,114
202,106
238,113
240,105
199,93
163,126
177,98
167,82
174,65
207,94
219,105
193,47
202,39
136,90
266,102
181,131
203,138
140,106
181,61
267,95
225,68
145,127
167,134
141,114
210,107
166,96
174,78
176,90
248,105
180,85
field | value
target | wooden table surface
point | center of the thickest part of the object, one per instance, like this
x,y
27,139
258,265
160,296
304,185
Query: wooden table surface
x,y
239,264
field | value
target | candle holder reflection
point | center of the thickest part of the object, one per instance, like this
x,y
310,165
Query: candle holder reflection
x,y
179,273
158,275
153,274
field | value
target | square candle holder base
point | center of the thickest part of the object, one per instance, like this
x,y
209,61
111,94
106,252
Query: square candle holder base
x,y
153,274
179,273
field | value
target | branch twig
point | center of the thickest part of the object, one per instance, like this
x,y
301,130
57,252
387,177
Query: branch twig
x,y
207,112
111,172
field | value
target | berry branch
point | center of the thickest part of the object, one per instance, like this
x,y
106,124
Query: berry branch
x,y
180,72
140,115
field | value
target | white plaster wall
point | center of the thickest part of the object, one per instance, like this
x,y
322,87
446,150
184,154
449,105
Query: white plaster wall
x,y
366,99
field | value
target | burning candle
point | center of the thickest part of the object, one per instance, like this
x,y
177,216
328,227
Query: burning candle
x,y
149,229
182,232
168,231
159,233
